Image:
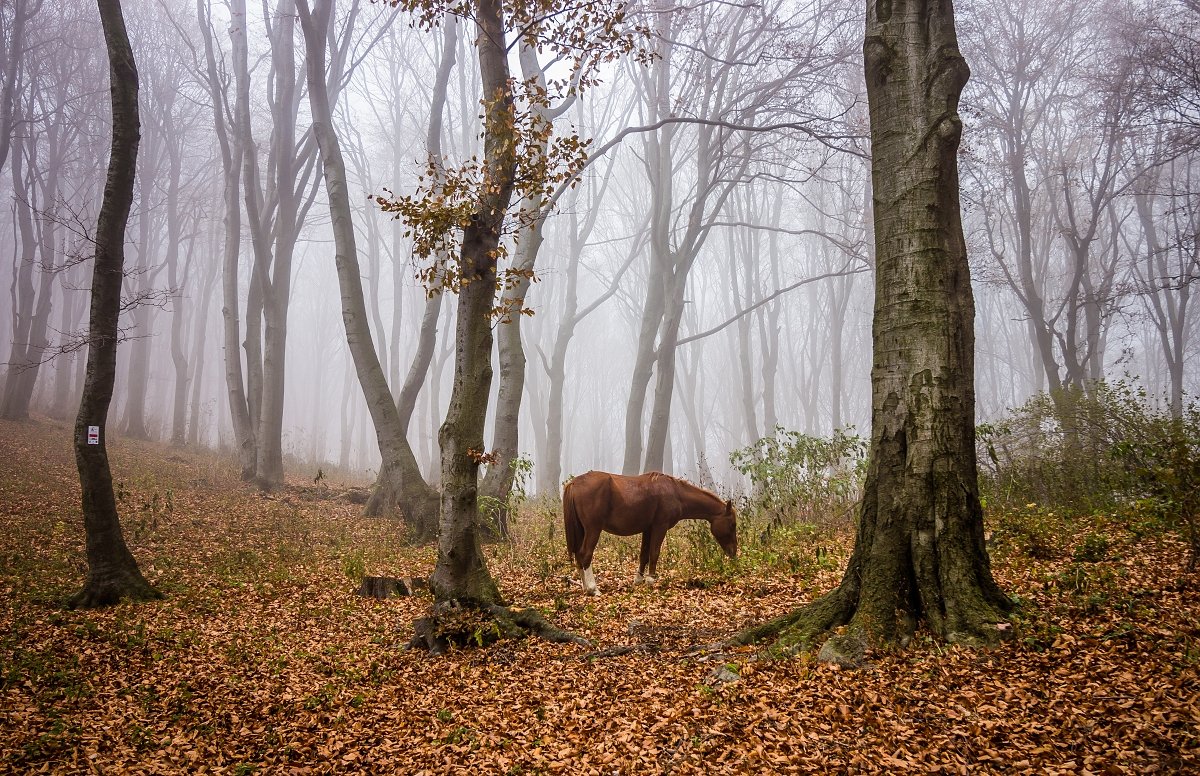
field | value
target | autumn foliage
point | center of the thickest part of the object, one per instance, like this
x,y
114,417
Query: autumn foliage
x,y
262,660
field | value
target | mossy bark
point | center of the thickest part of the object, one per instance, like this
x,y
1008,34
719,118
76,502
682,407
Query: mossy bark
x,y
919,553
461,572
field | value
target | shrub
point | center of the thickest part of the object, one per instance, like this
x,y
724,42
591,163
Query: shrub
x,y
796,478
1108,448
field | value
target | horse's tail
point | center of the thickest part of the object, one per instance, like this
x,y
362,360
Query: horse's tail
x,y
571,524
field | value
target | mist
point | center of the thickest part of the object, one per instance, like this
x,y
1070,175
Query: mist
x,y
706,279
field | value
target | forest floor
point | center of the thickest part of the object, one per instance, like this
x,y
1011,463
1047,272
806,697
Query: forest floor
x,y
261,659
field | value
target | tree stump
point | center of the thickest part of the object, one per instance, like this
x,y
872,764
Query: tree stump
x,y
387,587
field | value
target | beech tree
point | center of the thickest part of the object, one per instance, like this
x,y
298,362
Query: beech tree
x,y
399,474
464,212
113,573
919,551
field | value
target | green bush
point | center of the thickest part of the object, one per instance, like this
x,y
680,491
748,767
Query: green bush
x,y
796,478
1093,549
499,514
1109,448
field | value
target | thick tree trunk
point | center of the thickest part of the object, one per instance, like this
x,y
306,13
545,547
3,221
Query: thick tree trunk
x,y
664,369
919,553
401,482
113,573
643,370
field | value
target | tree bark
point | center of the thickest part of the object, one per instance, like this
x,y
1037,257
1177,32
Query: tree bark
x,y
113,572
22,370
405,484
23,10
277,289
176,281
498,482
919,553
200,322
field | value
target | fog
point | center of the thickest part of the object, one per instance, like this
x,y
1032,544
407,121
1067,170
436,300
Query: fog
x,y
708,278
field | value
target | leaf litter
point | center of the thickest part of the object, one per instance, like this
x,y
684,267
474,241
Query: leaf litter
x,y
262,660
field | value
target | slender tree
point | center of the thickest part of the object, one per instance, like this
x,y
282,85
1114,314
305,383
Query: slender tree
x,y
113,572
919,553
468,208
229,140
402,475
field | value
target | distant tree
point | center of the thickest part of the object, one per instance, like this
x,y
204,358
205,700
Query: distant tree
x,y
113,574
14,16
919,553
49,112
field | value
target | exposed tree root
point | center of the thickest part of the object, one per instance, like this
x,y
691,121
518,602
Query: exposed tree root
x,y
803,629
800,629
464,624
110,588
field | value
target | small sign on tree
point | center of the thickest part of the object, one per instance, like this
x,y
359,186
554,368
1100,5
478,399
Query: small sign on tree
x,y
93,435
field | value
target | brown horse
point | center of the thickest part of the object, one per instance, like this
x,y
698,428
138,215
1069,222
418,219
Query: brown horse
x,y
648,504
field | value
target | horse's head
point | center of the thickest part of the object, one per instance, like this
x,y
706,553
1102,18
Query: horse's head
x,y
724,530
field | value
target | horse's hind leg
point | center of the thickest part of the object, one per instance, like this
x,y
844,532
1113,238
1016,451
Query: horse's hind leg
x,y
584,561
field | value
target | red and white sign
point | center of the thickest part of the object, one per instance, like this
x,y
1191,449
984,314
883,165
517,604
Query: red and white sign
x,y
93,435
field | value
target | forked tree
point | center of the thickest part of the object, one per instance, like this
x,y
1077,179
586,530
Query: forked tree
x,y
113,573
919,553
399,473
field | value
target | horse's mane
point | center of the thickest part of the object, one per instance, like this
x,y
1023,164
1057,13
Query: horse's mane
x,y
681,481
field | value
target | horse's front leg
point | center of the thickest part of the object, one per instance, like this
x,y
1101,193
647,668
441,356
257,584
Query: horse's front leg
x,y
656,537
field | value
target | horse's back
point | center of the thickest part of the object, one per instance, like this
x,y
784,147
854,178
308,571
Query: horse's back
x,y
621,504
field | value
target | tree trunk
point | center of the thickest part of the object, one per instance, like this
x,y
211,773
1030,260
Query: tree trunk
x,y
199,341
497,483
176,281
919,552
402,483
113,573
15,50
416,499
461,572
137,380
21,372
232,153
664,369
